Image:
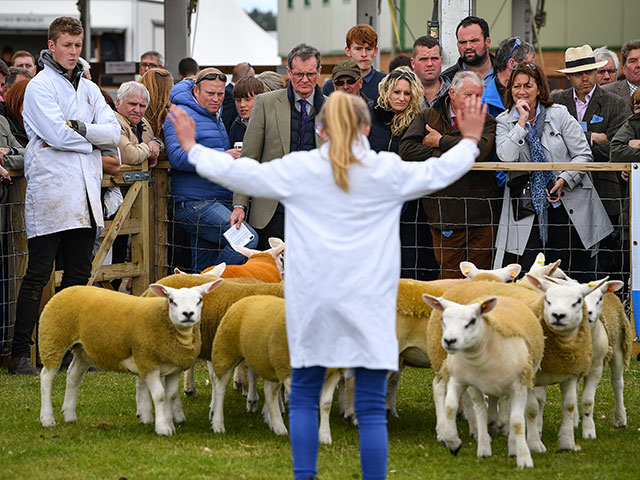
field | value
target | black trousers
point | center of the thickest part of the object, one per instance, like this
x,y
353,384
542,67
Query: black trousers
x,y
275,228
76,248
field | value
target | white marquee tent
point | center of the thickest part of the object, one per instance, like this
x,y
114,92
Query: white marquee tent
x,y
223,34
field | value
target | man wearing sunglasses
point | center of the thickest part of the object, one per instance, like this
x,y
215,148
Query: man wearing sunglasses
x,y
202,207
281,122
346,78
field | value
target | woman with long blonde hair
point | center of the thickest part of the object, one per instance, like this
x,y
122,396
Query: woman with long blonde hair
x,y
159,83
400,99
342,205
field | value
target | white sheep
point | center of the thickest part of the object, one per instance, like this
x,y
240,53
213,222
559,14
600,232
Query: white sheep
x,y
154,338
254,330
495,345
567,356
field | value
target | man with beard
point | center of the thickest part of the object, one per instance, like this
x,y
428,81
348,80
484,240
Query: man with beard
x,y
473,38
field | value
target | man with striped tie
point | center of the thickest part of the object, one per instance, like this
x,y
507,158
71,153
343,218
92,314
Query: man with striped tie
x,y
282,121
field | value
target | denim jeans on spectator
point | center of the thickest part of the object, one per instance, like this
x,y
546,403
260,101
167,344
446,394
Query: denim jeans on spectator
x,y
76,246
206,221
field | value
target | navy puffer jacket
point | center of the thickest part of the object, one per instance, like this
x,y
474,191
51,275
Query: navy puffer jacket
x,y
210,132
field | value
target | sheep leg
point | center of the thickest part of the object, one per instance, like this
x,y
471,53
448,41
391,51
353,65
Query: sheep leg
x,y
212,381
190,382
480,411
617,383
144,410
451,404
492,414
504,409
393,381
252,391
164,425
517,437
172,385
349,394
46,408
271,410
76,371
217,421
566,437
469,415
326,399
439,392
541,396
532,412
241,378
591,382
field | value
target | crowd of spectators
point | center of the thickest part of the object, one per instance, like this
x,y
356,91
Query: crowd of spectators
x,y
485,217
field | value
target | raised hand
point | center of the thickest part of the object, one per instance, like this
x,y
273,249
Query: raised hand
x,y
471,118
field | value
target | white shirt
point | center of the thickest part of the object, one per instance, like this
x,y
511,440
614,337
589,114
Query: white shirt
x,y
343,249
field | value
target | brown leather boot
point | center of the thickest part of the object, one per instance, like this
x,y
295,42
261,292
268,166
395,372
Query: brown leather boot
x,y
22,366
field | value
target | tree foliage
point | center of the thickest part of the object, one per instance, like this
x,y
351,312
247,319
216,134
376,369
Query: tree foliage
x,y
267,20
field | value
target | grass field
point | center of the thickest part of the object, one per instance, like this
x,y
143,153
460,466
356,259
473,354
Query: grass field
x,y
107,442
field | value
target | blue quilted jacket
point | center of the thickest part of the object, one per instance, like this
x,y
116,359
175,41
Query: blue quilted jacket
x,y
210,132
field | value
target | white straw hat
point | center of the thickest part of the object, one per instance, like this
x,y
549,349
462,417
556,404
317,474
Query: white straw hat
x,y
580,59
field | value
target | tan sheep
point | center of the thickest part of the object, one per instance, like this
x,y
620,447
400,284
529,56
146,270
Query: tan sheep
x,y
254,330
154,338
495,345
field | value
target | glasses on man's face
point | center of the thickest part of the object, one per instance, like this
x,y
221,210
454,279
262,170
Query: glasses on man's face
x,y
301,75
516,44
348,81
149,65
213,76
610,71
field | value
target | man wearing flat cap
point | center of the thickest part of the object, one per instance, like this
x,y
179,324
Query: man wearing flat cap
x,y
347,78
600,114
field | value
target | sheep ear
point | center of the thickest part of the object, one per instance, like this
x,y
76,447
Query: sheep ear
x,y
209,287
275,242
552,267
510,272
177,271
539,283
217,270
468,269
591,286
160,290
612,286
276,250
247,252
488,304
434,302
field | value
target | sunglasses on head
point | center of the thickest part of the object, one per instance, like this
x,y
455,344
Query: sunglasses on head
x,y
213,76
410,76
515,45
349,81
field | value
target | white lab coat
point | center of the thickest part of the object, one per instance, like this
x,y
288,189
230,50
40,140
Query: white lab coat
x,y
343,249
63,178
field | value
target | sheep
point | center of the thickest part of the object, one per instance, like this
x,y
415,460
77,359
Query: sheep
x,y
254,330
567,356
213,310
495,345
264,266
155,338
611,339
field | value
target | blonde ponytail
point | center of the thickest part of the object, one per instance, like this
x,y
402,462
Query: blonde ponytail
x,y
342,118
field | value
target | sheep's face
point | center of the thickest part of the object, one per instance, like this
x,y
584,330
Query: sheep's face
x,y
595,299
463,327
185,304
563,308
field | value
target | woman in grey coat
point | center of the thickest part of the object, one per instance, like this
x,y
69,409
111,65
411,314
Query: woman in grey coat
x,y
566,218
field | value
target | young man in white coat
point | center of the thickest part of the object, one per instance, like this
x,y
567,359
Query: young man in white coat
x,y
66,119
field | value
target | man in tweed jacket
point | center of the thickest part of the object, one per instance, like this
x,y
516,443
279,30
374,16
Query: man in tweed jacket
x,y
600,114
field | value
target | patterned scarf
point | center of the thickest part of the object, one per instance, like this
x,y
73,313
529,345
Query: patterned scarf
x,y
539,179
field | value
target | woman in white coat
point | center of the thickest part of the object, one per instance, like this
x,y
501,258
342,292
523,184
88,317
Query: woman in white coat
x,y
565,218
343,205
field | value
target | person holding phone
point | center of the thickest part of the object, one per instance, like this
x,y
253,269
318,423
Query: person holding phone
x,y
343,204
566,219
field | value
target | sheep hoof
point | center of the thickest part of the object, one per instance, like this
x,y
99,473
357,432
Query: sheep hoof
x,y
165,430
325,439
70,417
620,424
191,393
280,430
391,412
455,451
252,406
145,418
48,422
217,428
526,462
179,418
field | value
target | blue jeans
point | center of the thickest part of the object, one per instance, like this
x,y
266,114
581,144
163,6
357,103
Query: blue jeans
x,y
206,221
306,385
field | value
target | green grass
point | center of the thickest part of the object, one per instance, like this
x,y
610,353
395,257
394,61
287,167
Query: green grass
x,y
107,442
